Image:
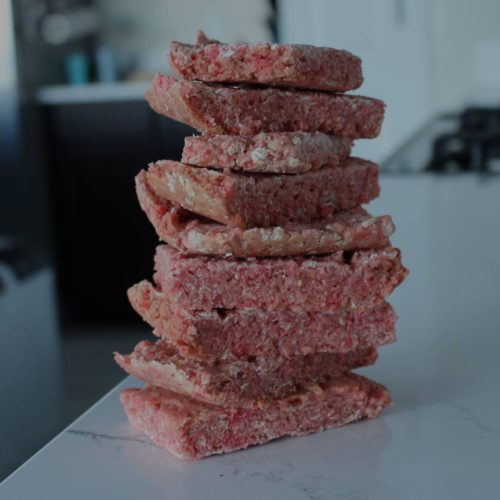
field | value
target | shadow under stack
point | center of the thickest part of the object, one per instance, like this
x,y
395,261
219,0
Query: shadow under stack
x,y
271,286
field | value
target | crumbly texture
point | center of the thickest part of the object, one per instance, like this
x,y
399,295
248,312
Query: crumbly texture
x,y
240,200
221,109
273,153
237,383
303,66
190,429
343,280
234,334
189,233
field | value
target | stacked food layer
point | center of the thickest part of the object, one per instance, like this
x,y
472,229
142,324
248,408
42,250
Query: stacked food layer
x,y
271,286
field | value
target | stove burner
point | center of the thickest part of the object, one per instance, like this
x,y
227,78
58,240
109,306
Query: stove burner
x,y
473,147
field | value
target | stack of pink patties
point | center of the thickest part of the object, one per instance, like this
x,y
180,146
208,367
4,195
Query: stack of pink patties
x,y
271,286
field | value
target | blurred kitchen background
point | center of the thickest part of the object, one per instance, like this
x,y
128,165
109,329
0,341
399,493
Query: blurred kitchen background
x,y
74,130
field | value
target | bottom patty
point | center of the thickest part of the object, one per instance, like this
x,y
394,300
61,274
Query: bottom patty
x,y
191,429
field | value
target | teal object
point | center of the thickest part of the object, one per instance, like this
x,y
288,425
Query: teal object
x,y
77,68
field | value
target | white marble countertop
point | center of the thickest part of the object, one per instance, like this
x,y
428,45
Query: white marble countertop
x,y
440,439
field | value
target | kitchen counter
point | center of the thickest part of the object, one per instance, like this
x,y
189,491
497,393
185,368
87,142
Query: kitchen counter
x,y
56,95
440,439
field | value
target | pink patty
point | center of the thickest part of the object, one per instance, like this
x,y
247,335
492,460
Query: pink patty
x,y
303,66
247,111
279,152
244,201
237,383
239,333
188,233
337,281
192,429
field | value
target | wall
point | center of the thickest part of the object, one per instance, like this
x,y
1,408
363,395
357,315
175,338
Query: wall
x,y
423,57
465,37
143,33
390,37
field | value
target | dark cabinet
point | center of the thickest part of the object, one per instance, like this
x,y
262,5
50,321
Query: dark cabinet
x,y
103,242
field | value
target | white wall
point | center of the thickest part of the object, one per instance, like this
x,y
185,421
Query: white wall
x,y
143,29
465,36
422,57
390,37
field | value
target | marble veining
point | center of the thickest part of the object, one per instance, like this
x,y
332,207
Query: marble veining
x,y
96,436
465,413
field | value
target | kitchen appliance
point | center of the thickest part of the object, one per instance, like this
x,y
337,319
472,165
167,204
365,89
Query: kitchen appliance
x,y
473,145
459,142
29,354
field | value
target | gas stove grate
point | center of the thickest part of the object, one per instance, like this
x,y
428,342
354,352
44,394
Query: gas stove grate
x,y
474,146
